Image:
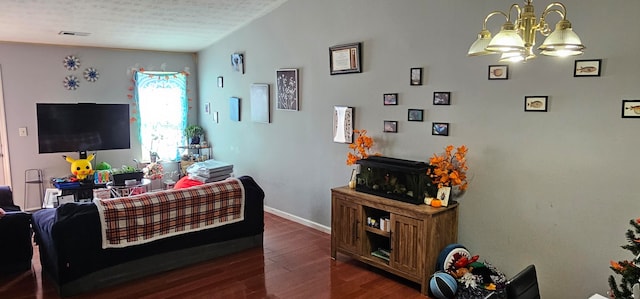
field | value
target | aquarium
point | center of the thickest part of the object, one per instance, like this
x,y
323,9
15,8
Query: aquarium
x,y
393,178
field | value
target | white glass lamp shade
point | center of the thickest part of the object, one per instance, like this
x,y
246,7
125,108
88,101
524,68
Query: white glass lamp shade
x,y
562,42
507,40
478,47
511,57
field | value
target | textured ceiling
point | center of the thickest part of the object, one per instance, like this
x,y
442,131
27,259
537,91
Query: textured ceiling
x,y
164,25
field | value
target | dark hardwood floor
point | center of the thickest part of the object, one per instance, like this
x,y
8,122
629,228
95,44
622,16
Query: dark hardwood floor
x,y
294,262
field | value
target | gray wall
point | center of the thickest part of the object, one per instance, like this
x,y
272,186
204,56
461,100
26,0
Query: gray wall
x,y
556,189
34,73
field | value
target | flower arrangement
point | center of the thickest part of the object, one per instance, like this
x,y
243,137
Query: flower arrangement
x,y
475,279
153,171
361,148
450,169
629,270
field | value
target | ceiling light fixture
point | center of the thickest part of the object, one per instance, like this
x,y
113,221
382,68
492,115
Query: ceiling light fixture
x,y
516,40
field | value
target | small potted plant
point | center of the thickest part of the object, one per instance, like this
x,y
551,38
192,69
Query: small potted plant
x,y
126,173
193,132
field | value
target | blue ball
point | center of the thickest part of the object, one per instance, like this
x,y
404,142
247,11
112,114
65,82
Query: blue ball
x,y
443,286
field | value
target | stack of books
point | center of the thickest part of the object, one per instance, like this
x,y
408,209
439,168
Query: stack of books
x,y
381,253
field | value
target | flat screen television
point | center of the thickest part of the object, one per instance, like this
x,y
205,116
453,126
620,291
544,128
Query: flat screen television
x,y
82,127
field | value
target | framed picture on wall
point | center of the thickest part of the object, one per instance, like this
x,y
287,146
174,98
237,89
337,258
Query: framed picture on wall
x,y
260,103
442,98
234,108
440,129
498,72
416,76
630,108
587,68
390,99
343,124
415,115
535,103
345,59
237,62
390,126
287,95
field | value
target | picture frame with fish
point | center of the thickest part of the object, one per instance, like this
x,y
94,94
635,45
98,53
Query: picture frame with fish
x,y
587,68
535,103
630,108
498,72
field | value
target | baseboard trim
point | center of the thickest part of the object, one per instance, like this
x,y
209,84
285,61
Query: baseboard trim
x,y
294,218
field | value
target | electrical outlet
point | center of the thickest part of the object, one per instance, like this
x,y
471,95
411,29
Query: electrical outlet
x,y
22,132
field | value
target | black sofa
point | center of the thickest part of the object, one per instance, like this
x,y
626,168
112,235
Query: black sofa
x,y
70,245
15,235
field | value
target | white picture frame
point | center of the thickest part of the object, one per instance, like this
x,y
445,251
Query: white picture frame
x,y
342,124
443,195
260,104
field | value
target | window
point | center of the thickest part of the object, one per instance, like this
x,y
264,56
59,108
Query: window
x,y
161,98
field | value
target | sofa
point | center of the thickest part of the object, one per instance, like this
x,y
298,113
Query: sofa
x,y
71,240
15,235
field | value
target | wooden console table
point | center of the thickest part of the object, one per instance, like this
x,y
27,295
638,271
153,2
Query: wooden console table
x,y
416,234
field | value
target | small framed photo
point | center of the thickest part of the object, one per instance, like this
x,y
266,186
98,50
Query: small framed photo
x,y
442,98
416,76
62,199
390,126
237,62
440,129
535,103
390,99
498,72
207,108
345,59
630,108
416,115
220,83
587,68
443,195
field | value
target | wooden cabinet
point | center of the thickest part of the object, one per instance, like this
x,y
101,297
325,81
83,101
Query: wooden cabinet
x,y
409,244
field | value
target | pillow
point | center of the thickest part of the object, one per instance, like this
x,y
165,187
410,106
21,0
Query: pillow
x,y
186,182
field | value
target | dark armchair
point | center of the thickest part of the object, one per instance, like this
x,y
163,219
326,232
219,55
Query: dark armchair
x,y
16,250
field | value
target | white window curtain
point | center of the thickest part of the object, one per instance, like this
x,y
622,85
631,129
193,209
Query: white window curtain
x,y
162,103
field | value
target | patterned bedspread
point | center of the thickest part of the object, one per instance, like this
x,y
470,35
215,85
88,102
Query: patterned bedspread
x,y
134,220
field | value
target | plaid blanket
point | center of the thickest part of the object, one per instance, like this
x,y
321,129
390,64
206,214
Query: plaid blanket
x,y
134,220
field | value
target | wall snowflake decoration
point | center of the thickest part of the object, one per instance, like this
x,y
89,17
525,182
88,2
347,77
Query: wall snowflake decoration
x,y
91,74
71,63
71,82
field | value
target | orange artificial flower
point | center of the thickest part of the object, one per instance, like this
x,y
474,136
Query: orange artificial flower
x,y
360,148
450,168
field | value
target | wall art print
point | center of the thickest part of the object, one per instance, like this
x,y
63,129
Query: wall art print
x,y
259,94
287,94
343,124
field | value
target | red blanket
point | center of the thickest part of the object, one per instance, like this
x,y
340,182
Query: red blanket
x,y
140,219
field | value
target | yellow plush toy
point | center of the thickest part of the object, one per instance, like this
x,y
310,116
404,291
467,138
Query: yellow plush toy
x,y
81,168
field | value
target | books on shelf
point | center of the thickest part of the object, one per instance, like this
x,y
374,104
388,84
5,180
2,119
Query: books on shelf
x,y
381,253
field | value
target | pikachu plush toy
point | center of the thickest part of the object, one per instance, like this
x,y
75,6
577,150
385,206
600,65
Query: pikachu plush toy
x,y
81,168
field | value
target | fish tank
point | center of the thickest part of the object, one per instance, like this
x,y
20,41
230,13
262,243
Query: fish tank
x,y
393,178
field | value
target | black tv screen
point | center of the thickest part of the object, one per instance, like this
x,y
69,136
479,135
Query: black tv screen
x,y
82,127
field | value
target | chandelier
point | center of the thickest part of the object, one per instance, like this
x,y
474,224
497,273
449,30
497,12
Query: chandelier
x,y
516,40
